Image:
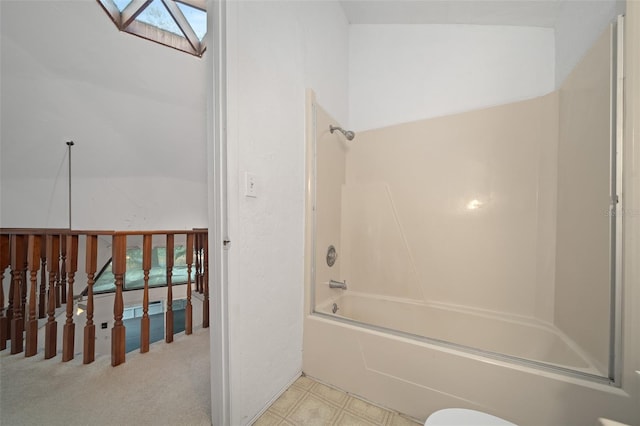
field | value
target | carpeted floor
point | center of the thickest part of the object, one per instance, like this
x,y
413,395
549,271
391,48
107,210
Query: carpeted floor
x,y
167,386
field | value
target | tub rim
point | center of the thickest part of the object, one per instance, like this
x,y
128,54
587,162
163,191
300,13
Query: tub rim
x,y
516,361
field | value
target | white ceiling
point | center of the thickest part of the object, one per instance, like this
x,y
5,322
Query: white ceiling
x,y
536,13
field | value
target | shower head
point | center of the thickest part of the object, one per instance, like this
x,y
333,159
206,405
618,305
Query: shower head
x,y
347,133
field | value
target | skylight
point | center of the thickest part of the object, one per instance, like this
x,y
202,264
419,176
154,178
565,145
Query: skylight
x,y
196,17
181,24
121,4
156,14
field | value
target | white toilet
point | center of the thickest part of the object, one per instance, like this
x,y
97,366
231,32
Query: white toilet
x,y
464,417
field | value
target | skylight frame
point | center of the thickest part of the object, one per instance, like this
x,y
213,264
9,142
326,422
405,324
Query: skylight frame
x,y
125,20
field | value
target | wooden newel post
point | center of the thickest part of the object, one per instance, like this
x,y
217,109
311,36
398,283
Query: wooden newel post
x,y
17,265
51,329
33,259
5,261
119,267
69,330
91,263
188,326
146,266
169,317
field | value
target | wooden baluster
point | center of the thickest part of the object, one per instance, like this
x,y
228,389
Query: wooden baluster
x,y
198,264
58,261
205,281
5,261
23,282
202,248
63,269
146,266
12,273
188,326
51,329
119,267
91,263
33,257
169,315
17,322
42,304
69,330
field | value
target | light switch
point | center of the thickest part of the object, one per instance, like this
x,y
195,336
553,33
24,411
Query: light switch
x,y
250,185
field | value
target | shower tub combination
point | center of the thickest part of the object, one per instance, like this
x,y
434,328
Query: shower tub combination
x,y
416,355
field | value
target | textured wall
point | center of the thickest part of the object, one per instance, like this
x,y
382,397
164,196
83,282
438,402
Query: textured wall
x,y
275,51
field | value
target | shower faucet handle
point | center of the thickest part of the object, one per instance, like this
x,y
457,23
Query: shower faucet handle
x,y
338,284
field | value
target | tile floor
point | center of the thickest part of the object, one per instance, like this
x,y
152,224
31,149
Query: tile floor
x,y
308,402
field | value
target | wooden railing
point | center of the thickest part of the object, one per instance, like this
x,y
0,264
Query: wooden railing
x,y
54,253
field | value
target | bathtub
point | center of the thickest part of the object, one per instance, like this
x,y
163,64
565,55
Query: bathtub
x,y
374,347
463,327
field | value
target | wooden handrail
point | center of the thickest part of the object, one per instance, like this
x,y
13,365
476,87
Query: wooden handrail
x,y
50,255
33,231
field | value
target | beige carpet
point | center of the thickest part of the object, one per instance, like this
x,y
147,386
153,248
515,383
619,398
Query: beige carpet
x,y
167,386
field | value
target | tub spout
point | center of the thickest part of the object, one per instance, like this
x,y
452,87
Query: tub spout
x,y
338,284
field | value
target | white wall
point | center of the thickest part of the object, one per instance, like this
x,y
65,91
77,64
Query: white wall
x,y
401,73
135,109
275,51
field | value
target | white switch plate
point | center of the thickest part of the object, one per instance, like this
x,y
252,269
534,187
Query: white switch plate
x,y
250,185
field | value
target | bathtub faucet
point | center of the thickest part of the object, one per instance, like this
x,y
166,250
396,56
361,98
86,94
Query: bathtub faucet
x,y
338,284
